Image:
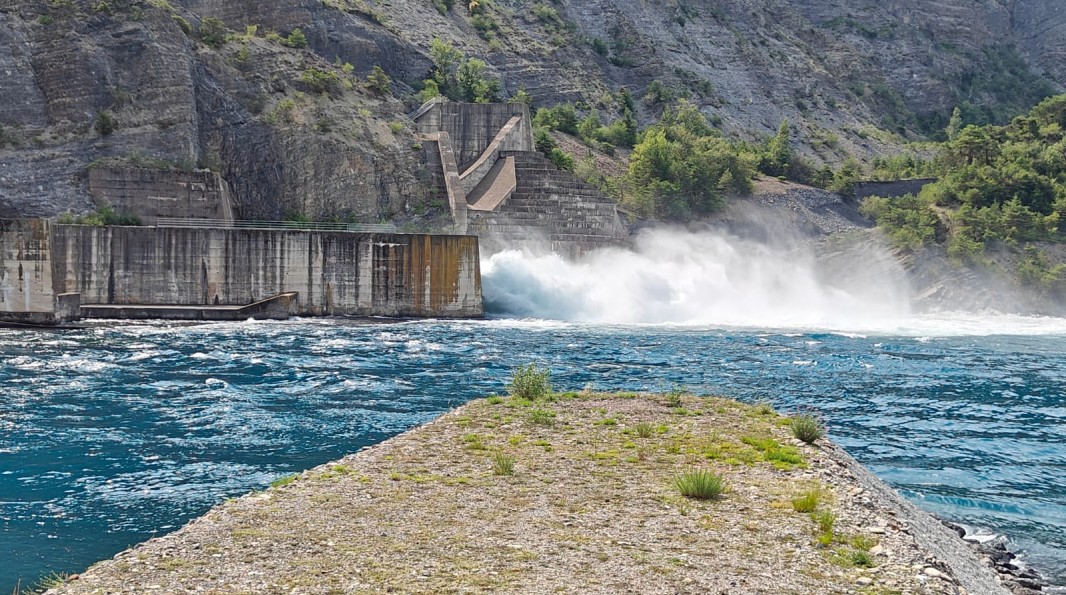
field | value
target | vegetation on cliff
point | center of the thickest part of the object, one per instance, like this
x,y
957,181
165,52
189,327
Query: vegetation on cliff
x,y
997,186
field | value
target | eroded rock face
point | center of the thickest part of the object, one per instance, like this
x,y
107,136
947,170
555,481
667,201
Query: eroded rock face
x,y
838,69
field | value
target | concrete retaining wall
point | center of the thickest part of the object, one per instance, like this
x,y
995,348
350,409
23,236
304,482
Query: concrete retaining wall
x,y
26,292
334,273
152,193
472,127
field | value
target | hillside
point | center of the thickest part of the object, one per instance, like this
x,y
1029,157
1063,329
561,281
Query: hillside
x,y
297,131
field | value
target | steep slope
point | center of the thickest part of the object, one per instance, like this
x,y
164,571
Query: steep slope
x,y
295,132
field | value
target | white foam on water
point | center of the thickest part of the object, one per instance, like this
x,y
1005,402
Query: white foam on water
x,y
710,279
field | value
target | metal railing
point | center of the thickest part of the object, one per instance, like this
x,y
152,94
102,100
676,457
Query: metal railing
x,y
295,225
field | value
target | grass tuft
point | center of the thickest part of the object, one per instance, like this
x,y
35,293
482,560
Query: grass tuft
x,y
542,417
673,398
807,427
644,430
807,502
503,464
701,484
284,480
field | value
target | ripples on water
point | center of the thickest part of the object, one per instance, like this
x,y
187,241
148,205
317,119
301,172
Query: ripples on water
x,y
113,434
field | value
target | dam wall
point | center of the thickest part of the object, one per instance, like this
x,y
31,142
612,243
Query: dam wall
x,y
331,273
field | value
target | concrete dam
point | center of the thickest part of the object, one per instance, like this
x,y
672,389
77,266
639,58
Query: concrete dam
x,y
51,273
194,260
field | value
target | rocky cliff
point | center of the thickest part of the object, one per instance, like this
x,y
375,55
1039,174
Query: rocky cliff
x,y
296,130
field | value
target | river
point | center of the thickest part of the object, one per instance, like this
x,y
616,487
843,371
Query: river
x,y
111,434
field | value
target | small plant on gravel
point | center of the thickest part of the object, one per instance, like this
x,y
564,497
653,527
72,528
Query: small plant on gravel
x,y
644,429
862,559
494,400
807,502
542,417
764,408
502,464
825,520
863,542
673,398
284,480
807,427
701,484
530,382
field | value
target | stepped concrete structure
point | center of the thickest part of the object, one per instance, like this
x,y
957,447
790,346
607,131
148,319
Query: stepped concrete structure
x,y
482,158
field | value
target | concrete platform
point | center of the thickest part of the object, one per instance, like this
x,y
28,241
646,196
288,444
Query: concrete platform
x,y
278,307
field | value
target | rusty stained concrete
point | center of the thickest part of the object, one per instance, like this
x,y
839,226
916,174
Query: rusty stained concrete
x,y
26,289
334,273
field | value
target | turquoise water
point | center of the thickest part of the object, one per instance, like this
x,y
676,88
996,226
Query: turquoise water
x,y
110,435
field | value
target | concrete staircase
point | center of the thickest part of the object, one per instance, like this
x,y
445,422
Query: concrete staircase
x,y
549,209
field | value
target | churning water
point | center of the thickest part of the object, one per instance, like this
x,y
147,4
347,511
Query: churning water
x,y
112,434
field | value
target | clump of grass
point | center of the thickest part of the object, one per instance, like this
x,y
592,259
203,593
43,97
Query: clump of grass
x,y
530,382
764,408
863,542
607,421
474,442
862,559
849,558
284,480
825,520
494,400
542,417
807,427
701,484
644,429
673,398
503,464
806,502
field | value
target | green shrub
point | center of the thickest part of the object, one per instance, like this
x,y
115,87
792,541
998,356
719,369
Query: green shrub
x,y
379,81
530,382
213,32
644,430
296,39
183,24
807,427
503,464
105,123
701,484
321,81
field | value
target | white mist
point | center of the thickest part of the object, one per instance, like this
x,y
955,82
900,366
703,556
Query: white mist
x,y
706,278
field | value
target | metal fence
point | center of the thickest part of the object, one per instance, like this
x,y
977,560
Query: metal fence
x,y
299,225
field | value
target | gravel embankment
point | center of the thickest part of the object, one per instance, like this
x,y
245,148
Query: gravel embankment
x,y
591,507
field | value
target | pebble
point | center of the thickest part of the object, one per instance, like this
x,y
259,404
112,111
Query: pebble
x,y
865,580
933,572
876,530
877,550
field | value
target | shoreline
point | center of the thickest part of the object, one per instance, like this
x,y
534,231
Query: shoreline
x,y
589,502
